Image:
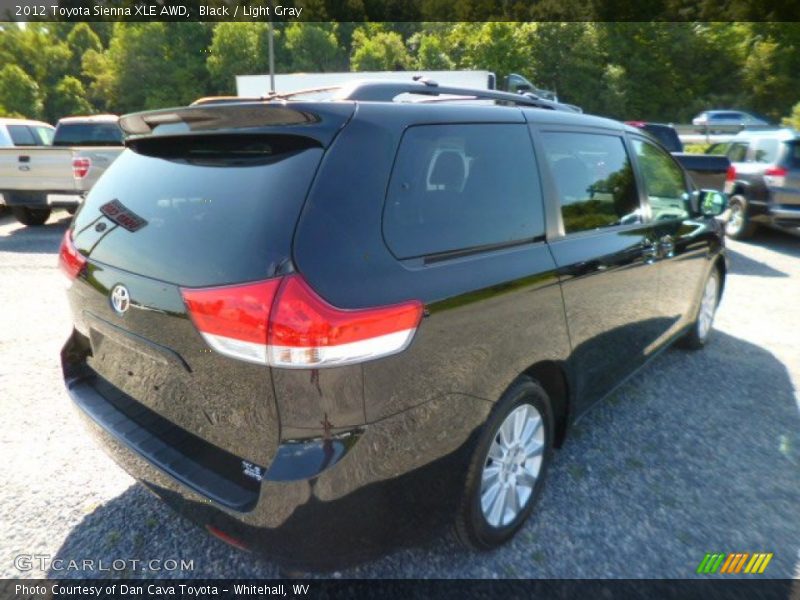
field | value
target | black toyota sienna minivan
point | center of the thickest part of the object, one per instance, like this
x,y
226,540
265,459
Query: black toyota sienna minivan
x,y
319,328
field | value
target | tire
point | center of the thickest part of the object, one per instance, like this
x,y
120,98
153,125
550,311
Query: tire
x,y
31,216
483,529
739,225
697,336
72,210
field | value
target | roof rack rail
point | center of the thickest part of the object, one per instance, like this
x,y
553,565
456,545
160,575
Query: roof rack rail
x,y
387,91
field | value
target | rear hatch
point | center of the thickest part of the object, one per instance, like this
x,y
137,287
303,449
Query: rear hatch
x,y
207,197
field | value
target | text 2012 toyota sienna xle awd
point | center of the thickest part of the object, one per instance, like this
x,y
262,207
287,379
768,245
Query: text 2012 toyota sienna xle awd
x,y
320,328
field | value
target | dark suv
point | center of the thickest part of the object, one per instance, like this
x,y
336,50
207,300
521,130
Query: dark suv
x,y
763,180
320,328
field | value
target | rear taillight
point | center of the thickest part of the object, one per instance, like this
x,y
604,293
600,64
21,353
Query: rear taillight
x,y
775,176
306,331
80,167
284,323
234,319
70,260
730,178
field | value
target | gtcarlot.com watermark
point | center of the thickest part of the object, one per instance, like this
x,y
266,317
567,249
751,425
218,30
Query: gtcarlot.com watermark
x,y
46,562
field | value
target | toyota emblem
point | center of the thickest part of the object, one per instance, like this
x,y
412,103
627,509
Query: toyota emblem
x,y
120,299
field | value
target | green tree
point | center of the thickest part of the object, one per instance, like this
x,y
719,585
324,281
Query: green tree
x,y
19,93
500,47
431,53
567,58
376,50
66,99
80,40
150,65
312,47
793,120
236,49
770,69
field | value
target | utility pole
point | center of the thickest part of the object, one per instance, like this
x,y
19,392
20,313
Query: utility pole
x,y
270,36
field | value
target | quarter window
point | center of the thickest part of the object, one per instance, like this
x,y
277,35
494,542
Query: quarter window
x,y
766,150
594,180
664,183
458,187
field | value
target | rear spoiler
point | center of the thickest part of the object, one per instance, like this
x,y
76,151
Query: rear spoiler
x,y
319,122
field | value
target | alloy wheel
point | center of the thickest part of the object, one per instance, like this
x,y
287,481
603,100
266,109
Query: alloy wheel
x,y
512,466
708,306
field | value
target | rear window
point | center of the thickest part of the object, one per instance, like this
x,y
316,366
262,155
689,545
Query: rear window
x,y
199,212
21,135
88,134
462,187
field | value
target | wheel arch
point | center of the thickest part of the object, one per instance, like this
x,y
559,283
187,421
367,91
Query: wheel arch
x,y
722,268
552,376
740,188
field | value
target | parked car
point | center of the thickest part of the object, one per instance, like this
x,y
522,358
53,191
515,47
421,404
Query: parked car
x,y
707,171
23,132
36,178
665,134
322,328
763,181
726,121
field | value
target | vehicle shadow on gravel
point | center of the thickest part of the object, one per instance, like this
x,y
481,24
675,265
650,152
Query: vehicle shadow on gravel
x,y
783,241
698,452
743,265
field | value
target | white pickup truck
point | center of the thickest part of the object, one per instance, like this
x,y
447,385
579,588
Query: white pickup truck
x,y
36,179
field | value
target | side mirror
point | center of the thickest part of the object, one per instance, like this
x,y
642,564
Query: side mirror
x,y
711,203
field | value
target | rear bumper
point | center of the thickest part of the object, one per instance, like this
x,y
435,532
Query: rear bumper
x,y
388,485
54,199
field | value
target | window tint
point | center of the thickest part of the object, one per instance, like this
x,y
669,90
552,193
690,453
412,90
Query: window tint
x,y
88,134
766,150
594,180
21,135
737,152
663,182
456,187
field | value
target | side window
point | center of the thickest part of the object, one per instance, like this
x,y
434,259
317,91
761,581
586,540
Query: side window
x,y
456,187
794,155
664,182
766,150
21,135
737,152
44,135
719,149
594,180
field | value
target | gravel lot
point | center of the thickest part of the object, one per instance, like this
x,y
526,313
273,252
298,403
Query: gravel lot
x,y
696,453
